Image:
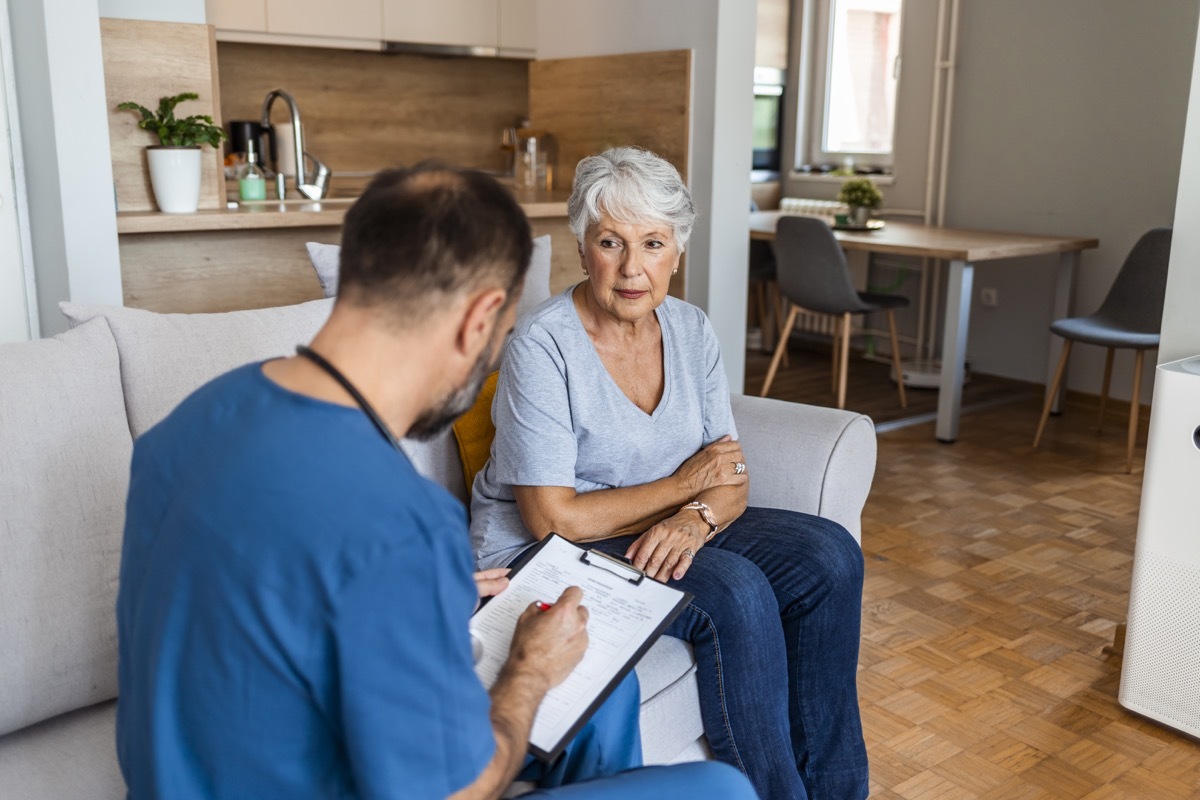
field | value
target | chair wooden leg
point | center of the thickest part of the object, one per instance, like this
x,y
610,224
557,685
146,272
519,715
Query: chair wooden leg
x,y
896,357
778,307
780,347
844,358
1058,376
1108,362
835,364
1138,358
760,301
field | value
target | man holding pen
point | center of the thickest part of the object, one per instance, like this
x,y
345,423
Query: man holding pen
x,y
294,597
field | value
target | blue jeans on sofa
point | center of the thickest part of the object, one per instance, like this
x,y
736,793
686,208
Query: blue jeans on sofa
x,y
775,627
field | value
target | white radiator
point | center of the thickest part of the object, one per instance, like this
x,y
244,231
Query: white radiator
x,y
1160,677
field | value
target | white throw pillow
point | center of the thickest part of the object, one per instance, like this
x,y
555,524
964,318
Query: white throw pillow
x,y
324,259
166,357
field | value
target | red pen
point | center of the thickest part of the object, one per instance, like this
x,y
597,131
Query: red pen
x,y
542,605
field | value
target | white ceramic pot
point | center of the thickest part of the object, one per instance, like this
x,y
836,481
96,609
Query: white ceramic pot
x,y
175,176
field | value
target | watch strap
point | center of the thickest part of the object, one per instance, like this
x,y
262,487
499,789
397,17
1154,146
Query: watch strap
x,y
706,514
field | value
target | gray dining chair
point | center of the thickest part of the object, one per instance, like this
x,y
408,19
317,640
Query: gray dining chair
x,y
1130,318
813,275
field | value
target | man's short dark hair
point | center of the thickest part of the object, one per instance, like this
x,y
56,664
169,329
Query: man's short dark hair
x,y
426,233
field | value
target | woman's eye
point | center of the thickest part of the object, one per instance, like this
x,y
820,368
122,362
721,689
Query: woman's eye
x,y
655,244
608,244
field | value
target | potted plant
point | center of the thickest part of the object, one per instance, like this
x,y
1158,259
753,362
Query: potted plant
x,y
861,196
175,161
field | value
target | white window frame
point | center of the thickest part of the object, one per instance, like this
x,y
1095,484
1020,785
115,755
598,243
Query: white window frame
x,y
813,72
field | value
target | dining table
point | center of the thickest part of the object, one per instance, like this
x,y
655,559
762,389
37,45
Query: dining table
x,y
962,249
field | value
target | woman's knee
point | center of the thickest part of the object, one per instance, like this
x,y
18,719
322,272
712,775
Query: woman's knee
x,y
734,593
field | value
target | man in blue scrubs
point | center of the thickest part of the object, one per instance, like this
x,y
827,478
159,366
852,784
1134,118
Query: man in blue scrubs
x,y
294,597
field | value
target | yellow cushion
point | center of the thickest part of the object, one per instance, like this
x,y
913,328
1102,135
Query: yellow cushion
x,y
474,431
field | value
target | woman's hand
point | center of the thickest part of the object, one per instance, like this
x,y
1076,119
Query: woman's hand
x,y
666,550
714,466
492,582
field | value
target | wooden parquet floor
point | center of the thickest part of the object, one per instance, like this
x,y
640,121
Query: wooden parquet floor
x,y
995,578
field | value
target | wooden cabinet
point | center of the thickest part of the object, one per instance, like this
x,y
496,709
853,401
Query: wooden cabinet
x,y
518,27
507,27
469,23
345,19
237,15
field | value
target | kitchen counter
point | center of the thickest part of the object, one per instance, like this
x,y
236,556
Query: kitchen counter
x,y
254,255
296,214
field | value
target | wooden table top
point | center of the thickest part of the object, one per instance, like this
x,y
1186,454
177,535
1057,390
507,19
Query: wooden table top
x,y
911,239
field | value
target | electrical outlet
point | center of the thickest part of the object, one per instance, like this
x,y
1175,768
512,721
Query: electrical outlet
x,y
989,297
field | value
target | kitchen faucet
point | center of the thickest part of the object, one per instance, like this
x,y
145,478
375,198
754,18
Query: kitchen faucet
x,y
320,175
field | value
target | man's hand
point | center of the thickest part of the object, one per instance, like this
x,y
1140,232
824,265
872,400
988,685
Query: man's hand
x,y
713,466
662,552
492,582
548,644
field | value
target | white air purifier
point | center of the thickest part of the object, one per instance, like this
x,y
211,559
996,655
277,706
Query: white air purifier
x,y
1160,678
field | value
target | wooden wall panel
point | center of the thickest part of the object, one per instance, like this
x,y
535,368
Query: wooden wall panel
x,y
144,61
366,111
589,104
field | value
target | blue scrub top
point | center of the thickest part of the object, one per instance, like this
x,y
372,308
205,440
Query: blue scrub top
x,y
293,608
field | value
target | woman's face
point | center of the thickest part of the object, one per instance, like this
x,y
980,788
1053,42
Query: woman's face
x,y
629,266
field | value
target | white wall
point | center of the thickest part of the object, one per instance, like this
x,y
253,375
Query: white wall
x,y
1068,119
160,10
721,35
59,75
1181,322
17,307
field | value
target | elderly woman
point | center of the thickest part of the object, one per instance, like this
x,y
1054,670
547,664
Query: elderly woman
x,y
614,428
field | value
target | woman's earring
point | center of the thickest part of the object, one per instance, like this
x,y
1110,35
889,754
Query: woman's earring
x,y
585,272
675,271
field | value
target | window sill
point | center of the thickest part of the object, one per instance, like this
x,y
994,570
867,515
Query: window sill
x,y
878,180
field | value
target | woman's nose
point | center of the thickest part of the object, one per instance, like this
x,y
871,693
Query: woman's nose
x,y
631,264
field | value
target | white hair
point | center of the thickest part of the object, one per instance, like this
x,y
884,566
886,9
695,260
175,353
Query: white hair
x,y
631,185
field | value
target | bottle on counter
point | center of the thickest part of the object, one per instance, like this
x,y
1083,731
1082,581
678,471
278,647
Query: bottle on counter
x,y
252,183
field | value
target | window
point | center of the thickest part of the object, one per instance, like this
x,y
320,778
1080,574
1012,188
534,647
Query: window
x,y
855,71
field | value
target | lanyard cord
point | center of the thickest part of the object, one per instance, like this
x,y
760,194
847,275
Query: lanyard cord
x,y
367,408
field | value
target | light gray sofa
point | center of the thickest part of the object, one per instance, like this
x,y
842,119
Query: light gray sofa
x,y
70,408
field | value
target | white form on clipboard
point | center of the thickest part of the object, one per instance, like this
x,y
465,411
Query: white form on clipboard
x,y
626,614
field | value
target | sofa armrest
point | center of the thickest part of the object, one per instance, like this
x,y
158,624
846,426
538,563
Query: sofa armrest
x,y
807,458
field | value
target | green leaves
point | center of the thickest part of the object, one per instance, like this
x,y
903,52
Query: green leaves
x,y
860,192
197,129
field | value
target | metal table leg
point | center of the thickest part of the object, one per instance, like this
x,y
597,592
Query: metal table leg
x,y
1064,302
954,349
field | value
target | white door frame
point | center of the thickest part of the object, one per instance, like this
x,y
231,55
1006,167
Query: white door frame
x,y
14,206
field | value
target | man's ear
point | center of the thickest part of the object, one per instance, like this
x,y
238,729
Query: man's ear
x,y
480,317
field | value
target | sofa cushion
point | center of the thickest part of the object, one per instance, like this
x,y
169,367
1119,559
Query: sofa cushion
x,y
324,259
64,472
166,357
474,431
70,757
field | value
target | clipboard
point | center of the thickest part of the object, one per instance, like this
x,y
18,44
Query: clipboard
x,y
627,611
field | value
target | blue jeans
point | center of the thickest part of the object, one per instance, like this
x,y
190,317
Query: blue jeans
x,y
604,758
775,624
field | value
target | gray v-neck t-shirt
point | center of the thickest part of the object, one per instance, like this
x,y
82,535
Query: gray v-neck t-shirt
x,y
561,420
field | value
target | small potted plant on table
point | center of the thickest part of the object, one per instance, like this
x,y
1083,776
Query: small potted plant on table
x,y
175,161
862,197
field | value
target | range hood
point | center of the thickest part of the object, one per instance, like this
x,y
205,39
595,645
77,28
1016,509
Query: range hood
x,y
459,50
